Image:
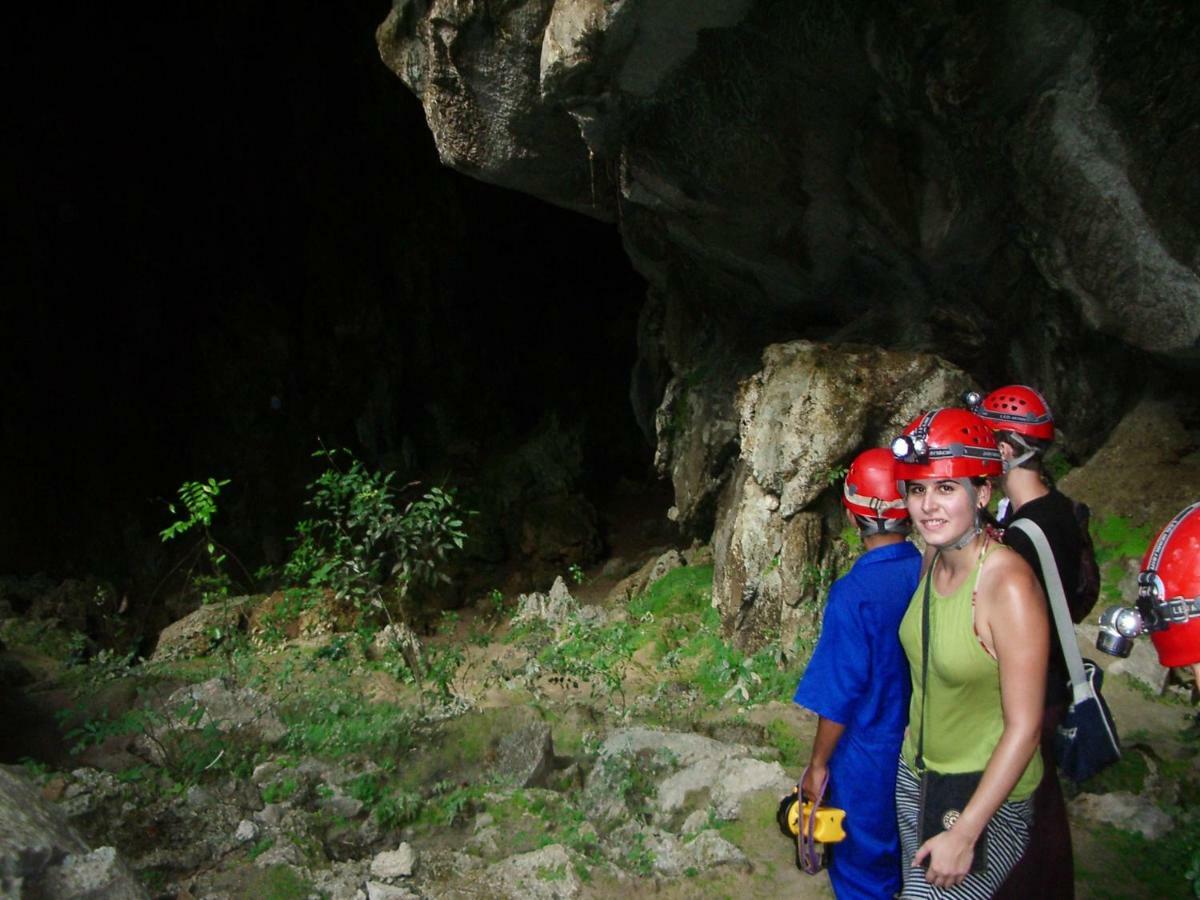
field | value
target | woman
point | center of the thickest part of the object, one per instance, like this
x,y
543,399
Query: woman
x,y
979,707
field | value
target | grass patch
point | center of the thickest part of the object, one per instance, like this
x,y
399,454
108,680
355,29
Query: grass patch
x,y
793,754
1163,868
684,590
278,883
1129,773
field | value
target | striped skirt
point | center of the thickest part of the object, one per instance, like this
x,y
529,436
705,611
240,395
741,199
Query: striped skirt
x,y
1008,835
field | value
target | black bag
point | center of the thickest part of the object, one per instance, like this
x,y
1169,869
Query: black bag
x,y
1086,741
943,797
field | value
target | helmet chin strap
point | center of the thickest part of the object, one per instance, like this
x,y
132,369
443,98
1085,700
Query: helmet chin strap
x,y
1010,464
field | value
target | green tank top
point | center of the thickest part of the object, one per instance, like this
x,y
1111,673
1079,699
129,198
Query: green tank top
x,y
964,720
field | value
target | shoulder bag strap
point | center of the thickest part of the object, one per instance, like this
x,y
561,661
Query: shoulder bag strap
x,y
1058,605
920,758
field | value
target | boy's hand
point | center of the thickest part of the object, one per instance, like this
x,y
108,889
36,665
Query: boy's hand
x,y
814,777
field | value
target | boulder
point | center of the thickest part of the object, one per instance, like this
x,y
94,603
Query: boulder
x,y
545,874
680,773
803,417
525,757
42,856
234,710
194,634
398,863
1131,812
640,581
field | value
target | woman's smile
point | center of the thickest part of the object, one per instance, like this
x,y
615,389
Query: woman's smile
x,y
942,508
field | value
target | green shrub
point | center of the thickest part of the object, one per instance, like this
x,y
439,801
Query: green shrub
x,y
360,535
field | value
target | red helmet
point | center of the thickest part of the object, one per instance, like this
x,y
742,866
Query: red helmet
x,y
1015,408
1169,589
946,443
870,488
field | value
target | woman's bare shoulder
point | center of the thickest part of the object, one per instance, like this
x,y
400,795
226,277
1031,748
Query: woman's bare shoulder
x,y
1007,577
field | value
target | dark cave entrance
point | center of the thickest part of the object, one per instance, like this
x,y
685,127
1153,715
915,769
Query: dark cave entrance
x,y
240,243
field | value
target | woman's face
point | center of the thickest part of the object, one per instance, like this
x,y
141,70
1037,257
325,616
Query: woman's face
x,y
942,509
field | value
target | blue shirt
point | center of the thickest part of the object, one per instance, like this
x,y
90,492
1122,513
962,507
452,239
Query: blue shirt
x,y
858,675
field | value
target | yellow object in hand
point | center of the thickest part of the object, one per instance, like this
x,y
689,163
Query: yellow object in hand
x,y
828,827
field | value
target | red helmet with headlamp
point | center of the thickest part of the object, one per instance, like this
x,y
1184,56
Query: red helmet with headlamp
x,y
1015,408
946,443
1169,590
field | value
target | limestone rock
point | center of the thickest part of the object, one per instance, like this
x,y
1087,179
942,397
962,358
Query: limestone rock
x,y
803,416
231,709
555,608
42,856
525,756
1011,185
193,634
396,863
651,571
689,773
545,874
1132,812
378,890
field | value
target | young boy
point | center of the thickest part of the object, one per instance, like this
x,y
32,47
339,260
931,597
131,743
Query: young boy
x,y
858,683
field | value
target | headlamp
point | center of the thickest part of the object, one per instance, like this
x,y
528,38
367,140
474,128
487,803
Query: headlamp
x,y
910,448
972,400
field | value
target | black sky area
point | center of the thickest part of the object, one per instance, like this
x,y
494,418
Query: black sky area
x,y
217,204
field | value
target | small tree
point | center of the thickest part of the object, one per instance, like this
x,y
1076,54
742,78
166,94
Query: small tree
x,y
205,560
360,535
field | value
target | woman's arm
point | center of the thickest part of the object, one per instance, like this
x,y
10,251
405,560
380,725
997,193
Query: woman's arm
x,y
1011,615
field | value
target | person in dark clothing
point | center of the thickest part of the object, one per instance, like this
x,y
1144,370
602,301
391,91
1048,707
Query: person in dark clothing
x,y
1024,429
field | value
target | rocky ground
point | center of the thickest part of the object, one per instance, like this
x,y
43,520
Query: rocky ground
x,y
598,740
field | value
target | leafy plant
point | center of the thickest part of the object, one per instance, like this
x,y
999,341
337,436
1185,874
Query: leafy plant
x,y
835,474
206,559
360,535
638,857
278,791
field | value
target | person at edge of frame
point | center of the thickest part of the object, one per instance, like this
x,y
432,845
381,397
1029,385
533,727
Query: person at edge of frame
x,y
857,683
976,705
1024,427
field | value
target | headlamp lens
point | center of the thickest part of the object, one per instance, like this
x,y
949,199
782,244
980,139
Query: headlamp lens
x,y
972,400
1128,623
901,447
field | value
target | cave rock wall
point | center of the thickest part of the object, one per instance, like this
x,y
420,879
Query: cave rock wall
x,y
776,542
815,162
1008,186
